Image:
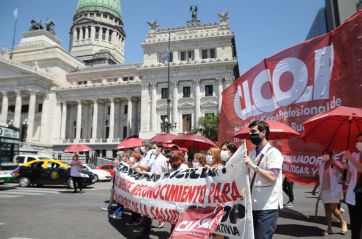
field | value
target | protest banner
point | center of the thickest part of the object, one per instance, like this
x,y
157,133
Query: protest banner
x,y
165,196
293,85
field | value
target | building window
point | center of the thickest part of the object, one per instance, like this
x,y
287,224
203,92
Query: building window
x,y
78,33
186,123
183,56
97,33
125,78
164,93
110,36
125,111
131,78
40,108
11,108
104,30
209,90
204,54
186,91
162,57
124,131
186,55
24,108
83,31
108,110
208,53
89,32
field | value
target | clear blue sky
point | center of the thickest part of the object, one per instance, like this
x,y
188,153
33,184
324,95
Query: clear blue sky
x,y
261,27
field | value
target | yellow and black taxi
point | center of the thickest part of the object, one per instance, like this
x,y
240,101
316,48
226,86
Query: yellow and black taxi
x,y
50,172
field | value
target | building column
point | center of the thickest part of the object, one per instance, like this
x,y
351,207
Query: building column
x,y
17,109
79,120
129,117
107,34
86,33
114,35
4,109
31,115
111,119
64,120
95,119
100,33
153,115
93,33
174,105
75,35
219,91
197,102
197,55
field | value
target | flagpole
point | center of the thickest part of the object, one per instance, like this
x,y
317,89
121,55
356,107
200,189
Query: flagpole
x,y
16,21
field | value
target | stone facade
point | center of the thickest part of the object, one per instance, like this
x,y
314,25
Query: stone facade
x,y
62,99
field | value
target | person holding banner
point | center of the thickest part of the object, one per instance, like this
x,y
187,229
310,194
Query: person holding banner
x,y
265,163
354,190
213,158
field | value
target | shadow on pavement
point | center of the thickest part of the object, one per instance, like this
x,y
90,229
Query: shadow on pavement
x,y
299,230
127,231
292,214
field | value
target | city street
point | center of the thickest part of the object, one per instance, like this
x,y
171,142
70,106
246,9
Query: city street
x,y
56,212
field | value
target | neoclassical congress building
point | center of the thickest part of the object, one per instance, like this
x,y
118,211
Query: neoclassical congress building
x,y
89,95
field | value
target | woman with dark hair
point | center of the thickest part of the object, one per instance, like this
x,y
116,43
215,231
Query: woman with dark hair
x,y
227,150
177,161
330,190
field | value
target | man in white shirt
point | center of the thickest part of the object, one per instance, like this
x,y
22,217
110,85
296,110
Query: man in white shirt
x,y
265,163
159,165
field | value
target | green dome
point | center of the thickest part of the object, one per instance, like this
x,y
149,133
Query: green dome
x,y
111,6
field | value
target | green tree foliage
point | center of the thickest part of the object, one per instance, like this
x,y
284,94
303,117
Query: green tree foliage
x,y
208,126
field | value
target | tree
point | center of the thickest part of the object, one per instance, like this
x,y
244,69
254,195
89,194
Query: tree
x,y
208,126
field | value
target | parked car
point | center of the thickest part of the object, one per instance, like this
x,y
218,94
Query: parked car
x,y
50,172
99,174
7,174
24,158
107,167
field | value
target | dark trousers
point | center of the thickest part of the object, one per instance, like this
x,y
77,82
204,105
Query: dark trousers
x,y
265,223
288,189
355,215
77,182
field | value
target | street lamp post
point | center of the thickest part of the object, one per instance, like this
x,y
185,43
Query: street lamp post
x,y
166,125
168,82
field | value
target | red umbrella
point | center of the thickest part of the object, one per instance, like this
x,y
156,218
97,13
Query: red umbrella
x,y
193,141
163,138
77,148
278,130
129,143
334,129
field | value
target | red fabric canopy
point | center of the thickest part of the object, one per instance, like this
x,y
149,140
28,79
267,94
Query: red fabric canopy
x,y
193,141
163,138
336,129
278,130
77,148
129,143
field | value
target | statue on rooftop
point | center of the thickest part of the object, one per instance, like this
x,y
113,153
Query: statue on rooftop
x,y
223,17
193,10
35,24
49,25
153,25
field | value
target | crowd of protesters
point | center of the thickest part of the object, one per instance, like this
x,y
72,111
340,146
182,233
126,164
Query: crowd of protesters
x,y
265,167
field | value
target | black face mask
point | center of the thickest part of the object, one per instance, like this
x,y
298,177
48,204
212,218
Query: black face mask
x,y
255,139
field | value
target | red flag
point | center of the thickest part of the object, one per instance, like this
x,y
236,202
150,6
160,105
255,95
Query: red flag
x,y
197,223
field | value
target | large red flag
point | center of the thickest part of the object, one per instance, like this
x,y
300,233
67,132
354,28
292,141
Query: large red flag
x,y
295,84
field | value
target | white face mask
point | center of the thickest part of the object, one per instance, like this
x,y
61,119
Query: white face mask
x,y
225,155
131,159
325,157
209,159
196,164
359,146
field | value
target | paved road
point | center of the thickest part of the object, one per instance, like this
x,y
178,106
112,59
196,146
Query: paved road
x,y
55,212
